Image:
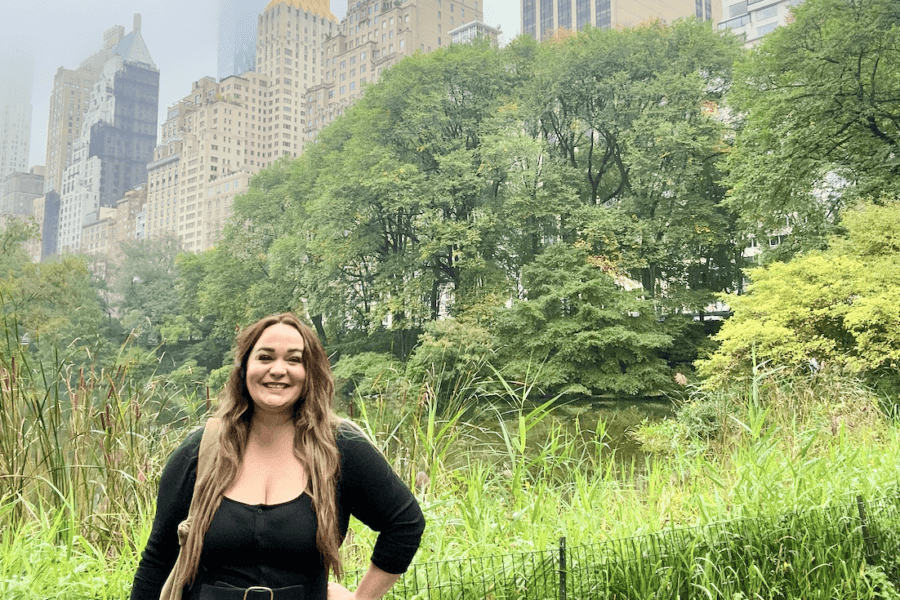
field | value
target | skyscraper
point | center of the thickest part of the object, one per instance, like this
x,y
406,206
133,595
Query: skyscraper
x,y
290,53
15,112
237,36
543,18
209,148
117,137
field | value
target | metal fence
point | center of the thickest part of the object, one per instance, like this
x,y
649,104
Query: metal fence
x,y
774,555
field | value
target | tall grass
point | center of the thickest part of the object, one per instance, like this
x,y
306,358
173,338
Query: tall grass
x,y
83,446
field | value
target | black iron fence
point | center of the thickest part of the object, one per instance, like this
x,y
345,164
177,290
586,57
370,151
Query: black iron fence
x,y
779,556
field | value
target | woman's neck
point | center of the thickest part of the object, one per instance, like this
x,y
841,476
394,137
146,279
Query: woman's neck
x,y
268,429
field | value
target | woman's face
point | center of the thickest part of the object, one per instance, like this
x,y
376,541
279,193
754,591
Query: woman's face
x,y
275,371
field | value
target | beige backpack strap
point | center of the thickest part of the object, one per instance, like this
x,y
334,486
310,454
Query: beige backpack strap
x,y
205,460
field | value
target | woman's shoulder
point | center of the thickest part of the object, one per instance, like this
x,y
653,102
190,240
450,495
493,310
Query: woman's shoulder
x,y
347,430
186,453
352,441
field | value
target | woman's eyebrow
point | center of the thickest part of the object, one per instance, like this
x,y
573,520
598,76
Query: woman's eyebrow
x,y
267,349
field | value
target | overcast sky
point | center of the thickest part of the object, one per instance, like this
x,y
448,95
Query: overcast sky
x,y
180,34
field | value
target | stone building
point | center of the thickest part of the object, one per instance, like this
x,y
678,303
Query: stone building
x,y
290,52
211,143
19,190
374,35
753,19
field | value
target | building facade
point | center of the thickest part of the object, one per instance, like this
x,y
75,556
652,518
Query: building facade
x,y
46,214
474,30
117,137
211,143
115,225
237,36
15,114
752,19
290,52
541,19
374,35
19,190
69,101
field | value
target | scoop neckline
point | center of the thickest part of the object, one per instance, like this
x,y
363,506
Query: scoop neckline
x,y
276,505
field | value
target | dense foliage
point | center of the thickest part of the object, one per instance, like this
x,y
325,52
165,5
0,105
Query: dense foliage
x,y
565,208
820,105
839,307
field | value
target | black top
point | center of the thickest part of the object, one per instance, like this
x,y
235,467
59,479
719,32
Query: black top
x,y
275,545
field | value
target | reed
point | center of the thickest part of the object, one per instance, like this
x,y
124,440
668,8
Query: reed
x,y
84,443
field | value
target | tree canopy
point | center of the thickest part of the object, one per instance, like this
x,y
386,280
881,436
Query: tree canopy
x,y
819,106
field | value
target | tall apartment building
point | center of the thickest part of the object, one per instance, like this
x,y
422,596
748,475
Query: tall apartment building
x,y
752,19
15,113
290,52
374,35
211,143
237,36
69,102
117,137
542,18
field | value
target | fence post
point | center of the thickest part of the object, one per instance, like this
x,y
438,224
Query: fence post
x,y
562,568
868,542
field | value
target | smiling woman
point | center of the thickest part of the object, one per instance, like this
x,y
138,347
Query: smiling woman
x,y
272,511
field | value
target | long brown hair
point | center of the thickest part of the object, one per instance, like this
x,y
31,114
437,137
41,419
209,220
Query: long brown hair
x,y
314,443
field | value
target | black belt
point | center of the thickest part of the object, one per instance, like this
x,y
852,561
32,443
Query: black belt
x,y
223,591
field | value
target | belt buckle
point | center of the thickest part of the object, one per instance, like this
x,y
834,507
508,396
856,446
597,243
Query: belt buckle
x,y
260,588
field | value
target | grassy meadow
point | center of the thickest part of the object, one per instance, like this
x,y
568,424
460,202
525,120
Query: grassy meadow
x,y
496,471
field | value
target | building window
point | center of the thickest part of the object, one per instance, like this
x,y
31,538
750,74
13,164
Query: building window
x,y
529,14
564,12
582,13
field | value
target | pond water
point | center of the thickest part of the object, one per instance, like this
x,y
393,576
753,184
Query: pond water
x,y
484,434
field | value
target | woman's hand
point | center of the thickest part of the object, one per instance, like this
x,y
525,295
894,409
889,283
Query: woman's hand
x,y
338,592
374,585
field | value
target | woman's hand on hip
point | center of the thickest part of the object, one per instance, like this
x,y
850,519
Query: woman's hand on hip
x,y
338,592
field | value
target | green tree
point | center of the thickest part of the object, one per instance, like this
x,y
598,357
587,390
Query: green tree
x,y
840,307
394,220
231,284
819,102
579,332
634,114
53,304
145,282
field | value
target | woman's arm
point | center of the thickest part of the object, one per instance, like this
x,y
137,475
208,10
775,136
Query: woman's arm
x,y
374,585
371,491
173,501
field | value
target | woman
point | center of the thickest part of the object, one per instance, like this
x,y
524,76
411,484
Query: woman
x,y
287,475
